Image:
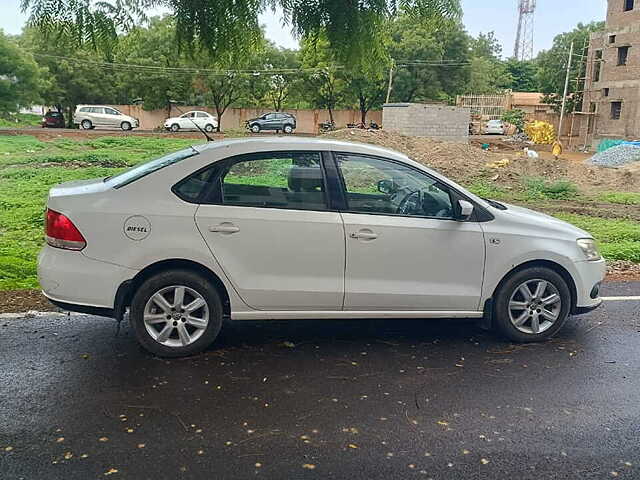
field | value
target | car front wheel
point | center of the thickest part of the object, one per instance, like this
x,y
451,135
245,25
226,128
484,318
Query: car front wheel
x,y
288,129
86,125
126,126
175,127
209,128
532,305
255,128
176,313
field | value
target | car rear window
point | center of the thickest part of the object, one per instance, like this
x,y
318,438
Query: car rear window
x,y
136,173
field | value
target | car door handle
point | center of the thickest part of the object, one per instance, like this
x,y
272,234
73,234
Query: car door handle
x,y
224,228
364,235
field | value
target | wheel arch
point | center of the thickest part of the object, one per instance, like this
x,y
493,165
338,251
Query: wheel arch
x,y
127,289
556,267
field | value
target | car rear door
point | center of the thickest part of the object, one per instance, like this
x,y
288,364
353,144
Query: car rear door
x,y
404,250
268,224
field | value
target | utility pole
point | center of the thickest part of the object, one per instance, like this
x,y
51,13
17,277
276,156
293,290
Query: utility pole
x,y
390,80
566,90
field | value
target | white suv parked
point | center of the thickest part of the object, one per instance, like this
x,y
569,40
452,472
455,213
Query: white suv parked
x,y
195,120
92,116
287,228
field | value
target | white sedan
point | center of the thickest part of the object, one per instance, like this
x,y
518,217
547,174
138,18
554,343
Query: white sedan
x,y
288,228
191,121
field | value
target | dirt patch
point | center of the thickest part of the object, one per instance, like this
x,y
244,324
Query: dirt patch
x,y
623,271
466,163
19,301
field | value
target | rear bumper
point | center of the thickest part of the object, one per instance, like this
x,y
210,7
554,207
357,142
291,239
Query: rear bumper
x,y
71,278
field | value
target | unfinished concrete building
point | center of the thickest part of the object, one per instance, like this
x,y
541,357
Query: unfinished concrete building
x,y
611,107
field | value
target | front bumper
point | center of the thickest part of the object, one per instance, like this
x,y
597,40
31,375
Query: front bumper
x,y
68,277
589,276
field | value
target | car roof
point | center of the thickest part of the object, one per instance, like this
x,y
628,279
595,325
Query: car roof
x,y
248,145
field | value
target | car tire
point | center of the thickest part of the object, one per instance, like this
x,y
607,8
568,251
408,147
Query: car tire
x,y
160,326
288,129
86,125
125,126
546,308
209,128
255,128
175,127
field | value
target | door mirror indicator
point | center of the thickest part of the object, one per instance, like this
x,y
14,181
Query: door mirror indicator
x,y
465,210
387,187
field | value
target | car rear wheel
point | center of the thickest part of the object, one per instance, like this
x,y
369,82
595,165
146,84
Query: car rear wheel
x,y
532,305
175,127
255,128
208,128
288,129
86,125
176,313
126,126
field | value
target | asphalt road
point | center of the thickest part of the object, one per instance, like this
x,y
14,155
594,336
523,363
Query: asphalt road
x,y
324,399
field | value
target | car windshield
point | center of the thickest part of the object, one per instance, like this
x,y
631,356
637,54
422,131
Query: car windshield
x,y
136,173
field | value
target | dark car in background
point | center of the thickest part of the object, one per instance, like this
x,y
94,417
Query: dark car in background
x,y
53,119
278,121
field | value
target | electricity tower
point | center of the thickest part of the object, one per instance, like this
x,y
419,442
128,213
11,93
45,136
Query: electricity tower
x,y
524,38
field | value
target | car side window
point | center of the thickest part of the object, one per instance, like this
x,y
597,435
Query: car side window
x,y
378,186
289,180
110,111
201,115
271,116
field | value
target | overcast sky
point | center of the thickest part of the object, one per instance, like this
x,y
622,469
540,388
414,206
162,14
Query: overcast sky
x,y
552,17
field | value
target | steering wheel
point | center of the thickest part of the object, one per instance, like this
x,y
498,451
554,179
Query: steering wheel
x,y
407,206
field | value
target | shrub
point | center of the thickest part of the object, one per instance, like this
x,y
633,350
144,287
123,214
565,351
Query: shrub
x,y
540,188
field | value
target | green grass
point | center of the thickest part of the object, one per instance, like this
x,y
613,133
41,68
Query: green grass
x,y
618,239
620,198
29,168
21,120
539,188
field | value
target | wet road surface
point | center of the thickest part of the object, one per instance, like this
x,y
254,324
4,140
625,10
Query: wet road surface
x,y
324,399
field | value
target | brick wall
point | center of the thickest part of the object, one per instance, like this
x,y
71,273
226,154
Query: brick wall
x,y
615,83
435,121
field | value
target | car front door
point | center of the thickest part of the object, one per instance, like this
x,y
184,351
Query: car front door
x,y
404,249
112,117
268,225
186,121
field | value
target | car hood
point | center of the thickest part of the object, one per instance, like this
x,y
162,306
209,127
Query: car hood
x,y
544,222
172,119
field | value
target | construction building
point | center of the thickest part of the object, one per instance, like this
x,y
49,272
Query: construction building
x,y
611,107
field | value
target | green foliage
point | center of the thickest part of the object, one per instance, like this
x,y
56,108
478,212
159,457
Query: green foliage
x,y
20,79
20,120
523,75
415,43
618,239
485,189
552,65
352,28
622,198
540,188
515,117
29,168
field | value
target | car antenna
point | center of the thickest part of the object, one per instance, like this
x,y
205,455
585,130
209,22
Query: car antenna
x,y
175,104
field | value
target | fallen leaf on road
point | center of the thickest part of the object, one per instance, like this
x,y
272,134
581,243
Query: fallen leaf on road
x,y
60,440
443,423
353,445
141,445
8,449
103,439
111,471
484,461
68,456
308,466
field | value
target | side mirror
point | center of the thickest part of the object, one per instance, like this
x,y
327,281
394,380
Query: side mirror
x,y
386,186
466,210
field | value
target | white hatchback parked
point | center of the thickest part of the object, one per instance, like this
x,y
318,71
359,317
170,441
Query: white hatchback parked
x,y
287,228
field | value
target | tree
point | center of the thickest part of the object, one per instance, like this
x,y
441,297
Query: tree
x,y
20,79
278,78
351,28
488,72
157,83
74,75
552,65
523,75
324,81
421,52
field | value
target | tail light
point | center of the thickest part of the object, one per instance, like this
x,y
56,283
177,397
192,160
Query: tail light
x,y
60,232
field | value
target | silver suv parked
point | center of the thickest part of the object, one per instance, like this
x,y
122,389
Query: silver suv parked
x,y
91,116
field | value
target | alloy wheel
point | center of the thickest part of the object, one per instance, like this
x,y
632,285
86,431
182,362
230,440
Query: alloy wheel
x,y
535,306
176,316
